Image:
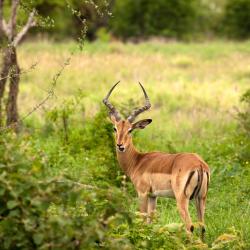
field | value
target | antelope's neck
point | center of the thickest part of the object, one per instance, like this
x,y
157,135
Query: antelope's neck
x,y
128,159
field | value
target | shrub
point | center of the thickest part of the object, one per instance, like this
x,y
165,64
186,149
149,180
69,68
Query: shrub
x,y
41,213
145,18
236,19
244,120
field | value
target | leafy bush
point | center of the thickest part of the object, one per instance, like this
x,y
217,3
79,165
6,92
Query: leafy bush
x,y
41,213
93,138
149,18
236,19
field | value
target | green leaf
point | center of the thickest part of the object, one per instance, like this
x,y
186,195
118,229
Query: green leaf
x,y
174,227
38,238
2,191
11,204
14,213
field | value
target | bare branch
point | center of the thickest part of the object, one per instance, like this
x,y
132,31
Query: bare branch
x,y
85,186
51,93
30,23
23,71
6,28
12,22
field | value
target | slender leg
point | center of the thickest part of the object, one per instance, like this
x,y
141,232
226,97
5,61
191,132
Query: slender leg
x,y
143,203
200,207
151,208
182,205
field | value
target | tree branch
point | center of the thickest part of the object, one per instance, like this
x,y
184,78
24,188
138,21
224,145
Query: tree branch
x,y
51,93
6,28
30,23
21,72
12,22
1,16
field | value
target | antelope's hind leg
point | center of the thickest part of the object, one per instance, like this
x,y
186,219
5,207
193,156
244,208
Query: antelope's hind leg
x,y
151,208
200,207
182,205
200,203
183,188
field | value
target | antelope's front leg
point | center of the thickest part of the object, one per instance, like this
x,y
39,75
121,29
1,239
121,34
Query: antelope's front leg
x,y
143,204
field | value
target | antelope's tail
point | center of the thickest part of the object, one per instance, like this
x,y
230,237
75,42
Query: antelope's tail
x,y
197,183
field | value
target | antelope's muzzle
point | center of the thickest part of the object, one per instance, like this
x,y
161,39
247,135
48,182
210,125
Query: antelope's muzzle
x,y
120,147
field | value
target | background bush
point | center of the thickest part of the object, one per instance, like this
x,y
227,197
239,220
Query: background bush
x,y
145,18
236,19
125,19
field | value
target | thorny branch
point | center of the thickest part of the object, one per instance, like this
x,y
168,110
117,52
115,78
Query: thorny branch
x,y
22,72
86,186
51,93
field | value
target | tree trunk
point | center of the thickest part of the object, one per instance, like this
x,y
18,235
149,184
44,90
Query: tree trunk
x,y
11,107
6,64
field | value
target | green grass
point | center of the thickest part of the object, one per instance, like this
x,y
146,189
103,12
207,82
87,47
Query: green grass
x,y
193,89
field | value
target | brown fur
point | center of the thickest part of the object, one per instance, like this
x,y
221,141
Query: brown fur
x,y
185,175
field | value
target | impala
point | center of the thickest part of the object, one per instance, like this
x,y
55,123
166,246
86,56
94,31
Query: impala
x,y
183,176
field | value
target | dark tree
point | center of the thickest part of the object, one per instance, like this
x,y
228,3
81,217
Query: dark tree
x,y
9,40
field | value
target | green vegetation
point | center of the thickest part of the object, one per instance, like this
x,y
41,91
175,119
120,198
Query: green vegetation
x,y
140,19
146,18
237,19
60,184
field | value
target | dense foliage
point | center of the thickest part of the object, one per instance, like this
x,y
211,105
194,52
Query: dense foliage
x,y
151,18
42,212
125,19
236,20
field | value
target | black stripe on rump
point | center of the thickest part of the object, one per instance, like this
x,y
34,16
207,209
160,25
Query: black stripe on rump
x,y
200,171
197,186
188,181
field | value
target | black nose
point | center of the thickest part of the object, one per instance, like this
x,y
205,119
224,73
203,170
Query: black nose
x,y
120,147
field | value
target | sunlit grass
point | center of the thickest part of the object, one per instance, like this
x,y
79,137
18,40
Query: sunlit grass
x,y
193,87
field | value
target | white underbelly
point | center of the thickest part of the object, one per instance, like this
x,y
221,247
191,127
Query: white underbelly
x,y
163,193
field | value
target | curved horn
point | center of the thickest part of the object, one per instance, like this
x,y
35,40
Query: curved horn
x,y
112,109
147,106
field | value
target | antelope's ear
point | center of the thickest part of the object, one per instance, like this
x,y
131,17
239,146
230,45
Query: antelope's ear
x,y
142,124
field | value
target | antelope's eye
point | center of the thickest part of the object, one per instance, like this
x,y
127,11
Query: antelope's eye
x,y
130,130
115,129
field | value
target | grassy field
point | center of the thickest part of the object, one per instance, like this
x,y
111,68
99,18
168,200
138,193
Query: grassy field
x,y
194,89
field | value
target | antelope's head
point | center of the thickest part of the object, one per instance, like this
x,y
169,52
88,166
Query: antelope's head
x,y
124,127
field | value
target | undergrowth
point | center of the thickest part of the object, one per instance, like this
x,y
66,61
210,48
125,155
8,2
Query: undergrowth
x,y
61,188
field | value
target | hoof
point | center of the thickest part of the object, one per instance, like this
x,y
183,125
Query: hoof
x,y
191,228
203,230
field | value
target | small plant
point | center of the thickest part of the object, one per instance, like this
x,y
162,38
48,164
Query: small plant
x,y
244,121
